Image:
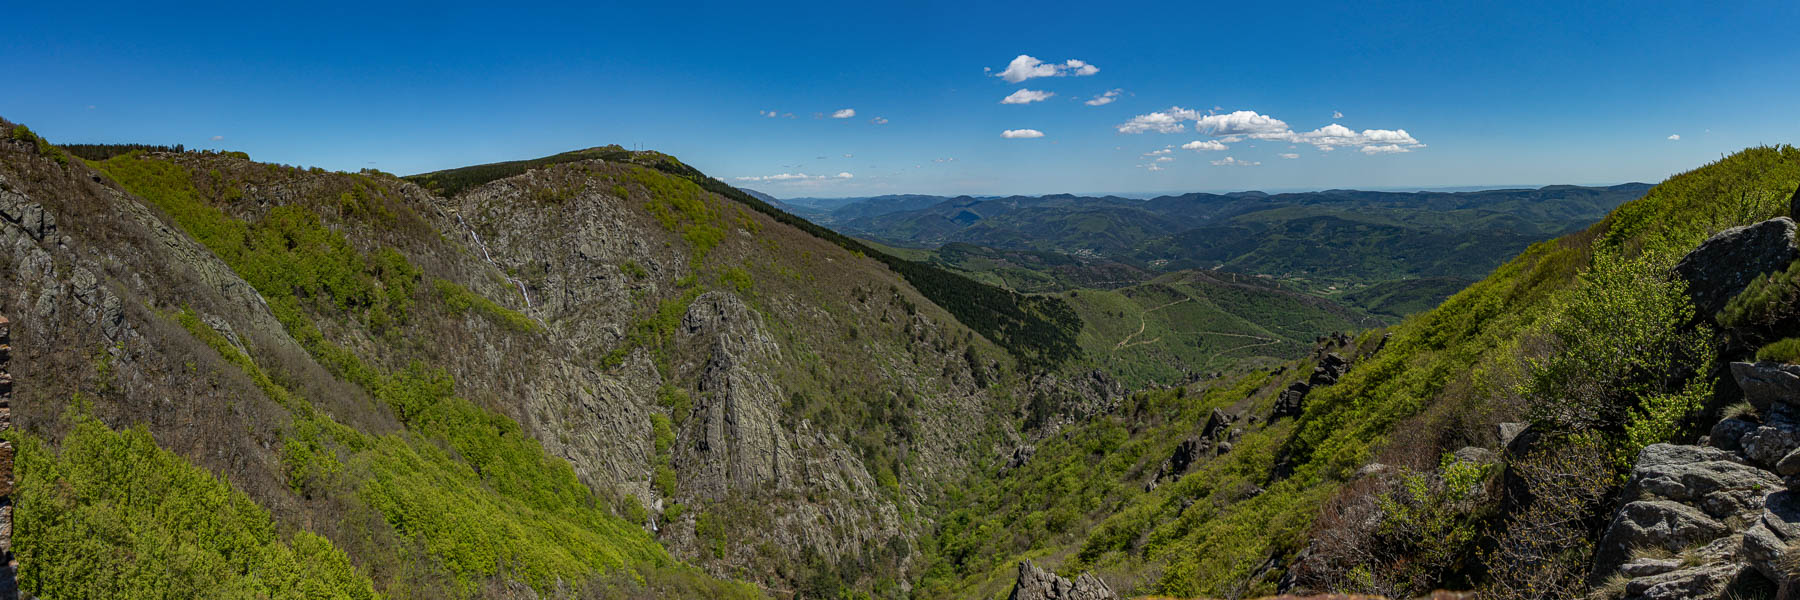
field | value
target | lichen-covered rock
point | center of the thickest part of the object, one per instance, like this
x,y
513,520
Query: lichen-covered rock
x,y
1766,383
1681,497
1705,581
1767,445
1037,584
1725,263
1728,434
1766,541
1654,524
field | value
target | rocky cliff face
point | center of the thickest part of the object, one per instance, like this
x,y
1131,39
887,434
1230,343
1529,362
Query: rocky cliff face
x,y
776,405
816,325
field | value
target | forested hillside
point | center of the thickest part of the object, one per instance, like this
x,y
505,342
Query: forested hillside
x,y
1393,462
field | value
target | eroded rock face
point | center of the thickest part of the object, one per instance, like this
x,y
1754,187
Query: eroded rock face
x,y
1766,383
1037,584
1682,497
1725,263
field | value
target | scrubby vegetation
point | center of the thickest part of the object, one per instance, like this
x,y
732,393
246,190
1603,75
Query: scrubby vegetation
x,y
40,145
460,299
1581,333
112,515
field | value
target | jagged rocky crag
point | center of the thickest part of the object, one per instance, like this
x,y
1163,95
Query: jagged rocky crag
x,y
773,406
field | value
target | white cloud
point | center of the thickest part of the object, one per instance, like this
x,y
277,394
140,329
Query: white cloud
x,y
1026,67
1104,98
1675,137
849,155
1385,149
1204,145
1014,134
1024,96
1159,122
1237,126
1337,114
768,113
944,160
1164,159
217,138
794,177
1233,162
844,113
1158,152
1289,155
879,120
1232,123
1152,167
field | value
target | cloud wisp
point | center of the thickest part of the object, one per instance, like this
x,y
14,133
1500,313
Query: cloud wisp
x,y
1025,96
1028,67
1020,134
794,177
1104,98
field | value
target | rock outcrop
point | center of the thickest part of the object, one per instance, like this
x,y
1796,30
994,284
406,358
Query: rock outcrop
x,y
1331,366
9,567
1766,382
1726,262
1037,584
1726,508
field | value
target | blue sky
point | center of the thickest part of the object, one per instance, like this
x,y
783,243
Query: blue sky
x,y
1486,93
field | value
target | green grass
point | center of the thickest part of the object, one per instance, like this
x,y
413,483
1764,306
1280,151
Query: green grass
x,y
1786,350
112,515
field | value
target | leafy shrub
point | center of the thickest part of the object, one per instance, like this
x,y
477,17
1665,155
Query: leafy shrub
x,y
1625,359
1768,298
738,279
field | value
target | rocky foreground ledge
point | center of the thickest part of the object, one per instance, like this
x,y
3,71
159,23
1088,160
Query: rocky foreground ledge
x,y
1038,584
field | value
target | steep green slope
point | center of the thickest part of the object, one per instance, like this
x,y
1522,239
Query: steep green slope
x,y
1233,524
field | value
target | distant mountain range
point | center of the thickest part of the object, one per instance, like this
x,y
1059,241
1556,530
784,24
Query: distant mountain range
x,y
1327,238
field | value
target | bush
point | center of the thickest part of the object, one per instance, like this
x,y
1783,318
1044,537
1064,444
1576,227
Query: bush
x,y
113,515
1543,550
1624,358
738,279
40,145
1786,350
